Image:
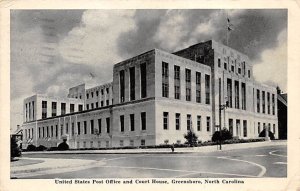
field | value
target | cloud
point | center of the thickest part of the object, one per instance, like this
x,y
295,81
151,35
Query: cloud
x,y
94,41
272,68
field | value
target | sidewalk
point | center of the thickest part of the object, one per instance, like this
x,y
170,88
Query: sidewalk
x,y
167,150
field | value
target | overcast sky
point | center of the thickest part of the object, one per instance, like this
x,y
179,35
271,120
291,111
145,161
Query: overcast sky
x,y
52,50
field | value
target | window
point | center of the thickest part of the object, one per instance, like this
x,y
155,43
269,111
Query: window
x,y
249,73
229,92
107,102
188,122
198,123
263,102
239,70
80,108
165,90
108,125
176,82
274,129
122,86
188,94
219,62
85,127
61,129
245,128
207,89
99,125
176,72
143,120
268,102
97,104
92,105
258,101
87,96
166,141
78,128
258,127
121,143
143,142
92,126
67,128
102,103
131,122
165,79
54,109
97,93
102,91
72,108
243,96
231,126
131,143
39,132
44,109
26,112
56,130
165,120
237,94
273,104
63,108
165,69
244,68
143,72
107,143
107,90
177,121
225,65
198,87
208,123
122,123
232,68
132,82
187,75
92,94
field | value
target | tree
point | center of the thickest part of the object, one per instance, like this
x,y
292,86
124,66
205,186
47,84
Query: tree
x,y
63,146
15,151
225,135
191,138
263,134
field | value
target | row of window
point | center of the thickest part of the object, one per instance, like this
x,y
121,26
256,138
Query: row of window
x,y
132,122
233,66
262,99
96,104
132,82
54,108
97,93
28,114
264,126
238,125
99,145
189,124
165,84
237,94
53,131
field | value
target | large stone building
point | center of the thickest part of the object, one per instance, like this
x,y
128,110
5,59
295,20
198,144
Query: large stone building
x,y
155,98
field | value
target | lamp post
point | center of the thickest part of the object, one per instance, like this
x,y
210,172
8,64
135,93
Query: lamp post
x,y
222,107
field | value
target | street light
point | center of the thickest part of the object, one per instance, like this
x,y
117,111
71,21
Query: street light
x,y
222,107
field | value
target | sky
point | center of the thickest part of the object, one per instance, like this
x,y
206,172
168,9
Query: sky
x,y
53,50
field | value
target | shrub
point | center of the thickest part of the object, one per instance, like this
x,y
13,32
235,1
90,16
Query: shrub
x,y
191,138
63,146
15,151
41,148
263,134
31,148
226,135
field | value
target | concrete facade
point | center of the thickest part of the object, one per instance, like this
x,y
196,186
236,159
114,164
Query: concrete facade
x,y
156,97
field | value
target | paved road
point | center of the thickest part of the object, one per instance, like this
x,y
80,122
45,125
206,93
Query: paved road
x,y
269,161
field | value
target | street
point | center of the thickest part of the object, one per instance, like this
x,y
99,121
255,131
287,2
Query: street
x,y
267,161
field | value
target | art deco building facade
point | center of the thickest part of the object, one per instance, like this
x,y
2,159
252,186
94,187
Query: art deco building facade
x,y
155,98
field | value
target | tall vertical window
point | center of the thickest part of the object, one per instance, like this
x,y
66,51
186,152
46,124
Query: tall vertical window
x,y
166,120
249,73
84,127
198,87
72,106
245,128
237,94
258,127
208,123
187,84
33,110
188,122
52,131
231,126
229,92
39,132
73,129
273,104
274,129
29,111
122,86
243,96
268,102
263,102
122,123
143,120
87,96
99,125
176,82
132,82
97,104
131,122
78,128
143,71
43,132
92,126
61,129
54,109
207,89
67,128
219,62
44,109
165,79
92,105
177,121
80,107
63,108
198,123
26,110
108,125
258,101
56,130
